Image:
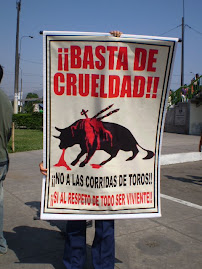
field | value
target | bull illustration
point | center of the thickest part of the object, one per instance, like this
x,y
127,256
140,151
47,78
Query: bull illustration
x,y
93,134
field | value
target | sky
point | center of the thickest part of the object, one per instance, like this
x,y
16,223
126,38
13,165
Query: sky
x,y
145,17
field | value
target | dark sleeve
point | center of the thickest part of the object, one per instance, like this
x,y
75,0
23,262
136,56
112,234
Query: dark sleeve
x,y
9,134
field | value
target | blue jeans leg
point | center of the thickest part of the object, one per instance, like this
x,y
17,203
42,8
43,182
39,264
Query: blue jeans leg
x,y
3,244
75,244
103,248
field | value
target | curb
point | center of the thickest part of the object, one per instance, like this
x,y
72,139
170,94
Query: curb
x,y
180,158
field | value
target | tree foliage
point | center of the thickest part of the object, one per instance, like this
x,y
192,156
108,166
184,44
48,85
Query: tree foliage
x,y
32,95
28,107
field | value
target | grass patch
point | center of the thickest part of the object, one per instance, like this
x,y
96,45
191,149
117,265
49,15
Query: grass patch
x,y
26,140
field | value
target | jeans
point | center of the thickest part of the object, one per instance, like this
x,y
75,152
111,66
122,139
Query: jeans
x,y
103,248
3,244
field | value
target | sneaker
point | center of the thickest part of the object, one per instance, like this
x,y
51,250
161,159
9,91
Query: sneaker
x,y
2,253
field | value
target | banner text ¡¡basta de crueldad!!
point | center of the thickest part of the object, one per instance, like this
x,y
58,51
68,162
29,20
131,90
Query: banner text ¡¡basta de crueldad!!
x,y
100,58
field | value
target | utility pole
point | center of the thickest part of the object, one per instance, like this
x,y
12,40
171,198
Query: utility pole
x,y
19,55
21,93
15,106
182,52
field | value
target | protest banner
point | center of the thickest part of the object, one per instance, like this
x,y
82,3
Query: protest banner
x,y
105,103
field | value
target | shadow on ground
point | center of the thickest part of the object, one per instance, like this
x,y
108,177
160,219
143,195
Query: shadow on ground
x,y
192,179
34,245
39,246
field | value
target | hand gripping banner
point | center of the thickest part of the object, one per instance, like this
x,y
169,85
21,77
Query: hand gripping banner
x,y
104,108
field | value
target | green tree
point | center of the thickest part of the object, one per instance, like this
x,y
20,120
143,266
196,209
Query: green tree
x,y
32,95
28,107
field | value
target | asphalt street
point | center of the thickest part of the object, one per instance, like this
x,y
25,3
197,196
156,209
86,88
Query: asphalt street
x,y
171,241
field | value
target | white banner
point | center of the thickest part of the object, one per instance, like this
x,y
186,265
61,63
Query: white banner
x,y
104,107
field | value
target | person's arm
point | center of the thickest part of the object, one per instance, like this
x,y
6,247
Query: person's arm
x,y
200,144
42,169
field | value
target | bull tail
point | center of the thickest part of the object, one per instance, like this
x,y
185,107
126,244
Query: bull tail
x,y
150,153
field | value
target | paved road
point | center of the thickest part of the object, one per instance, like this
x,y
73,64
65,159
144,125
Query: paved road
x,y
179,143
172,241
175,239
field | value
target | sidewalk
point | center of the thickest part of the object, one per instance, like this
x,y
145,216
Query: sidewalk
x,y
172,241
178,148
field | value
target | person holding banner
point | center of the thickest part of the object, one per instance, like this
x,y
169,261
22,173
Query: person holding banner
x,y
103,247
6,112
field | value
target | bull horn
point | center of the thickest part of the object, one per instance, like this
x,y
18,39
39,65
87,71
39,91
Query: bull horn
x,y
56,136
60,130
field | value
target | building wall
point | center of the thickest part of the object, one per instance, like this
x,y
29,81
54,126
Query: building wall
x,y
177,119
195,124
184,118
